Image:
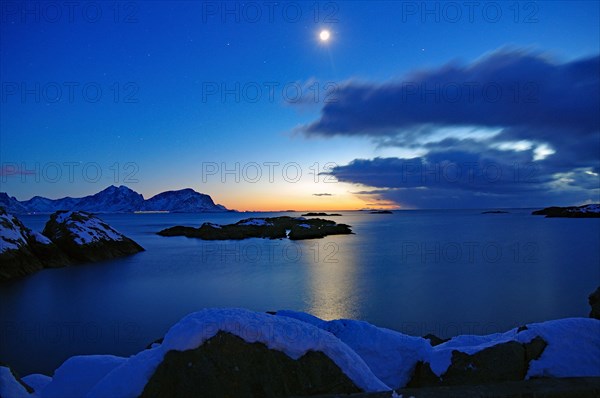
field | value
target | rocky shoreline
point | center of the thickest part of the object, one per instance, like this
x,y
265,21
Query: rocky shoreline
x,y
235,352
293,228
585,211
68,238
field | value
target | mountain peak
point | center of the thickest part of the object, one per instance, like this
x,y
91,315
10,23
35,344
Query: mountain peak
x,y
117,199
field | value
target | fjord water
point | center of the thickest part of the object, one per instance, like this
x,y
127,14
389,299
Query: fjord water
x,y
441,272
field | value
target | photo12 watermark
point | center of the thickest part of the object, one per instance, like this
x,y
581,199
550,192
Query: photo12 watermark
x,y
491,12
270,12
69,172
467,252
69,92
270,92
68,12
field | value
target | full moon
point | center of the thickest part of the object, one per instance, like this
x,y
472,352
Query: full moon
x,y
324,35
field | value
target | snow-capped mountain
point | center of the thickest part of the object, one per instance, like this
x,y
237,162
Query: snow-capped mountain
x,y
11,204
113,200
182,201
44,205
116,200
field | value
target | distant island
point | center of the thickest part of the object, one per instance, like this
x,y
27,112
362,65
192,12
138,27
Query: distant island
x,y
585,211
381,212
320,215
116,200
293,228
494,212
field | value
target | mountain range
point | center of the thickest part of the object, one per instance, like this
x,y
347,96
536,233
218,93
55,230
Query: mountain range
x,y
116,200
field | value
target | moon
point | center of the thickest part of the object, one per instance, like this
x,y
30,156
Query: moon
x,y
324,35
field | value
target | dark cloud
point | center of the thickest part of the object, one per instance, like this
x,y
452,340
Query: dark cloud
x,y
505,89
512,129
322,194
455,179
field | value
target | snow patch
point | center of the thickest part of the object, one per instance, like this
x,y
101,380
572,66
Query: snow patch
x,y
38,237
573,347
9,386
38,382
390,355
87,228
287,335
77,375
255,222
213,225
12,237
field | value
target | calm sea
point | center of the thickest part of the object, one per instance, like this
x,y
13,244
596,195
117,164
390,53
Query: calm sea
x,y
442,272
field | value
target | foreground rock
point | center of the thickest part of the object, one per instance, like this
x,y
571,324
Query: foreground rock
x,y
507,361
585,211
294,228
561,348
239,353
594,300
11,386
580,387
227,366
224,353
86,238
68,238
23,251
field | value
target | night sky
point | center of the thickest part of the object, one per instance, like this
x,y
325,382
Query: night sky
x,y
406,105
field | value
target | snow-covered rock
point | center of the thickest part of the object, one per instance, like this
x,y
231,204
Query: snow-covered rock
x,y
85,237
37,382
11,386
257,222
291,337
79,374
23,251
236,350
391,355
13,234
572,350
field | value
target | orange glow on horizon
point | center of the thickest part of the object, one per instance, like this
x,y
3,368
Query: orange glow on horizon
x,y
306,203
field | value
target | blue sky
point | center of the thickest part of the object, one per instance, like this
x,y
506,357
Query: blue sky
x,y
154,95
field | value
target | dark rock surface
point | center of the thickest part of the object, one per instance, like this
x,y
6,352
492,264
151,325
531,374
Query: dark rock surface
x,y
271,228
434,340
20,249
585,211
68,238
573,387
576,387
17,379
227,366
86,238
503,362
594,301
